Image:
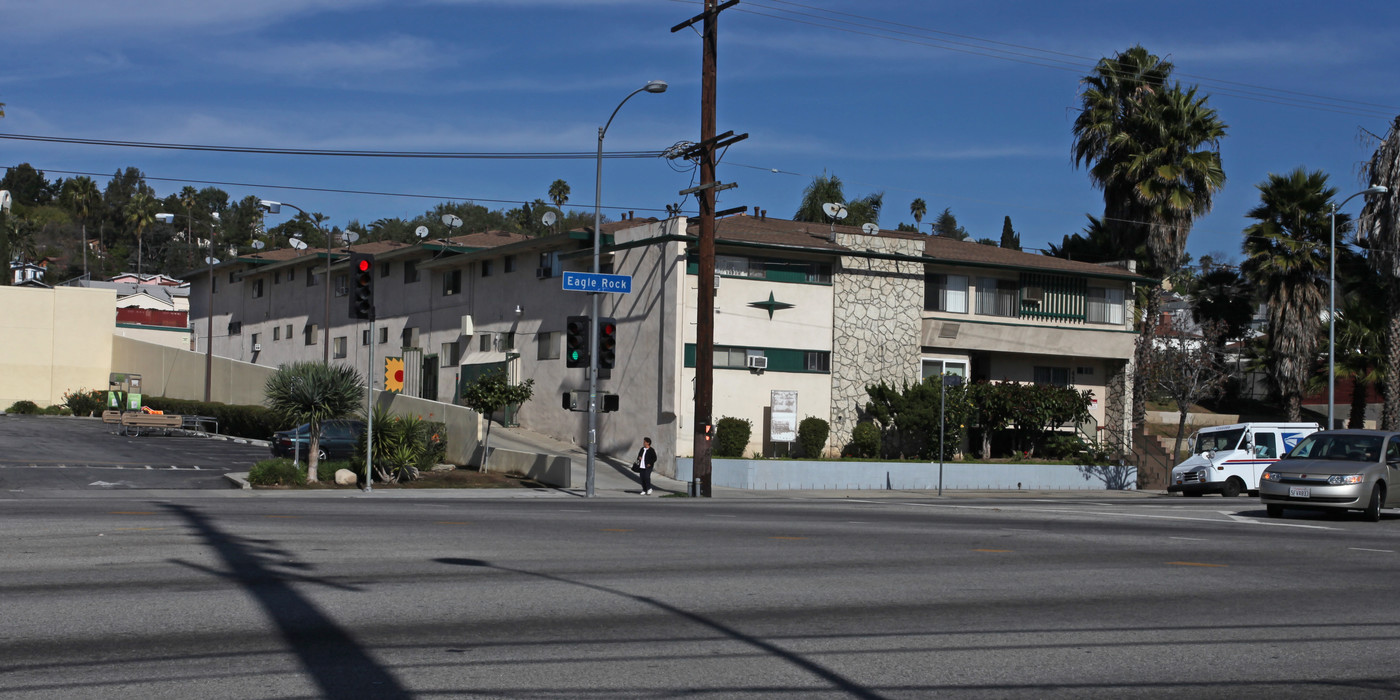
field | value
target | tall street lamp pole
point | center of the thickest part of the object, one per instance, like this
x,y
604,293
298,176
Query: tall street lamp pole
x,y
655,86
209,322
274,208
1332,308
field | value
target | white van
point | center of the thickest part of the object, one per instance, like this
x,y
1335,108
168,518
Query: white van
x,y
1228,459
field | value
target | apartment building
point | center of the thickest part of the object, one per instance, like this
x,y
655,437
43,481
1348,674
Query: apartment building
x,y
800,307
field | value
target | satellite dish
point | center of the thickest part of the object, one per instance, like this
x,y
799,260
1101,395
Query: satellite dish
x,y
349,237
451,220
258,245
835,210
422,231
870,229
298,244
549,218
211,261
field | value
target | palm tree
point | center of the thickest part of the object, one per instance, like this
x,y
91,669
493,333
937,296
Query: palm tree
x,y
823,188
1360,342
559,193
82,195
140,214
1380,230
1154,151
1287,263
312,392
918,209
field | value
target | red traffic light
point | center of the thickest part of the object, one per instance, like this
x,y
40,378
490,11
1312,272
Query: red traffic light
x,y
363,265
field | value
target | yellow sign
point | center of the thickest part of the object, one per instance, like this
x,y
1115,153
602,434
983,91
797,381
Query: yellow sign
x,y
393,374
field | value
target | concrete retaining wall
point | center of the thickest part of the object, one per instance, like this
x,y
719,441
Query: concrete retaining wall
x,y
553,470
795,474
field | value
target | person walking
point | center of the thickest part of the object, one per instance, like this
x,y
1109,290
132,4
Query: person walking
x,y
646,461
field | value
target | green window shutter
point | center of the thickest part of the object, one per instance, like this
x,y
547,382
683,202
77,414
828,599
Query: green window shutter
x,y
690,355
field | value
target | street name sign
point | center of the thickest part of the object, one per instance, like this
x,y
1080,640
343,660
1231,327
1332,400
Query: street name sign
x,y
595,282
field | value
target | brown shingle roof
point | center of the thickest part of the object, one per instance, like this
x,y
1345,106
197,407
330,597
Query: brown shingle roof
x,y
815,236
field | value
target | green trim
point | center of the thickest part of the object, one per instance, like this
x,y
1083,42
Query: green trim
x,y
788,360
1103,328
154,328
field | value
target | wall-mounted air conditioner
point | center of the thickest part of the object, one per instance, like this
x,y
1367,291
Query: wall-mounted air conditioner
x,y
467,327
758,362
1032,295
257,347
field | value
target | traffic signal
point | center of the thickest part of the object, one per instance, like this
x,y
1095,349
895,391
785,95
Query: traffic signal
x,y
610,403
607,343
576,342
708,430
362,286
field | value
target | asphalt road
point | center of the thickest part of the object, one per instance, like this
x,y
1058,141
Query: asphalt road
x,y
227,595
52,453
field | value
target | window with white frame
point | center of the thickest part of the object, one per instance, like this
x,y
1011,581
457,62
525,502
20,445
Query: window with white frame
x,y
1105,305
945,293
338,346
935,367
448,356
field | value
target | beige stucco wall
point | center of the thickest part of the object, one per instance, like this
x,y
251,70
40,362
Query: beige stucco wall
x,y
168,337
53,341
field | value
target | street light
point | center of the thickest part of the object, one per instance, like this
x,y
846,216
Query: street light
x,y
276,208
209,323
654,86
1332,308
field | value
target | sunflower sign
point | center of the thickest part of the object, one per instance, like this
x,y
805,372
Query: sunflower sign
x,y
393,374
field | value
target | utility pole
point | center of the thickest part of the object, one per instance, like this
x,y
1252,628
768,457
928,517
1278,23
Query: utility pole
x,y
705,286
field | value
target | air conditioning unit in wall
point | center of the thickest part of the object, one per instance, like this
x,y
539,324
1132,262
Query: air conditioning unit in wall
x,y
758,362
1032,295
257,347
467,327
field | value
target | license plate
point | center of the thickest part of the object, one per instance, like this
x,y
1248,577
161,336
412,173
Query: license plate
x,y
1300,492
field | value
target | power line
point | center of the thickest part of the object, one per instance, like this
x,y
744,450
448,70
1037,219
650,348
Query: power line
x,y
558,155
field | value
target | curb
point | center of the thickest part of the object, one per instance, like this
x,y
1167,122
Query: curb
x,y
239,480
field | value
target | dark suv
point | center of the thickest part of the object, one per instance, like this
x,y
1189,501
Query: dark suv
x,y
338,438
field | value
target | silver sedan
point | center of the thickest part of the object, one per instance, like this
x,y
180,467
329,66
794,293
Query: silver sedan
x,y
1335,470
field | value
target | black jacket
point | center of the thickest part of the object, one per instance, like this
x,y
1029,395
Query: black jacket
x,y
650,453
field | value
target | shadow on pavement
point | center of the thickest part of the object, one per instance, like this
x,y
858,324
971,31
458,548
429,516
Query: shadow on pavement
x,y
334,660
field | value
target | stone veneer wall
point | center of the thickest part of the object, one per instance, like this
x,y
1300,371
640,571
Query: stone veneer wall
x,y
1117,415
876,325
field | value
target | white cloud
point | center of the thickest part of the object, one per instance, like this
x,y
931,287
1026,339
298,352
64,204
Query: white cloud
x,y
38,19
338,58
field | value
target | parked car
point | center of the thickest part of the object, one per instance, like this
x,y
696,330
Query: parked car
x,y
1228,459
1335,470
338,438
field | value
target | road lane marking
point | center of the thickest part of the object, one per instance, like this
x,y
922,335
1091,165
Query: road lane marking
x,y
452,522
1363,549
282,516
615,529
1238,519
787,538
1196,563
1190,539
130,512
712,515
136,528
1019,529
994,551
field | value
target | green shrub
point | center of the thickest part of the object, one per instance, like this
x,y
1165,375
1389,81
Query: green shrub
x,y
404,446
865,440
276,472
325,471
257,422
811,435
24,408
732,436
56,410
83,402
1061,446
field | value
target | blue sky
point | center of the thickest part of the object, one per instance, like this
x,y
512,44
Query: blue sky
x,y
874,96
